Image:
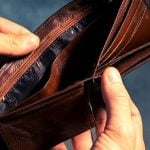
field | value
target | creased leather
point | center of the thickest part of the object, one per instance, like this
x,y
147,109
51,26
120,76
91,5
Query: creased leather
x,y
40,69
48,32
49,117
74,103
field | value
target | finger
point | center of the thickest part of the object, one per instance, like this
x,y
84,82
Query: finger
x,y
137,122
17,45
7,26
82,141
136,117
117,102
101,118
60,146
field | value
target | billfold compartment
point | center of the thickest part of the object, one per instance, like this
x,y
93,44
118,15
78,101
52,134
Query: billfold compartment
x,y
36,73
128,61
54,27
135,25
52,118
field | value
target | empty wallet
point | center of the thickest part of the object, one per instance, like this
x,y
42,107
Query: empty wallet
x,y
53,93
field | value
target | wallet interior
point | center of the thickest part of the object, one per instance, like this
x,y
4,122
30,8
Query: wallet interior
x,y
80,46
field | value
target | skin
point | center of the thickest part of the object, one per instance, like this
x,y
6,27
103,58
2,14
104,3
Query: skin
x,y
16,40
118,127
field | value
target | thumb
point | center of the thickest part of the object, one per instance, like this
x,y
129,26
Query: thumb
x,y
18,44
117,101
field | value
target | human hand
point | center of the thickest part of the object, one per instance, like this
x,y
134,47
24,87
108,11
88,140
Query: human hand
x,y
119,126
16,40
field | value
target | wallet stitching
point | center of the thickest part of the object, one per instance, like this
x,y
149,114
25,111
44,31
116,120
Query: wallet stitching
x,y
47,22
134,32
112,34
129,69
130,53
112,62
27,63
63,9
130,25
106,53
118,22
136,28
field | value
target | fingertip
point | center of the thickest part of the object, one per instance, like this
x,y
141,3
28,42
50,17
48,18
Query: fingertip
x,y
26,43
111,74
17,45
31,42
112,84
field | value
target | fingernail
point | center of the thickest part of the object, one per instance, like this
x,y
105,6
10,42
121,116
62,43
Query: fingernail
x,y
114,75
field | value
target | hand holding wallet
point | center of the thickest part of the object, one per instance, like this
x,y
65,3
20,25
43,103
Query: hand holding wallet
x,y
40,92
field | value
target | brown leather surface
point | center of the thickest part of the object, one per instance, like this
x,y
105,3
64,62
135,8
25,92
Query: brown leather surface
x,y
48,32
44,120
32,127
134,27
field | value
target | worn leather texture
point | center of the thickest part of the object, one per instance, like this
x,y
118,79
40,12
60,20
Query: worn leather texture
x,y
63,74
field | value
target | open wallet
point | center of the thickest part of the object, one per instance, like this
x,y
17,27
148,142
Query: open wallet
x,y
53,93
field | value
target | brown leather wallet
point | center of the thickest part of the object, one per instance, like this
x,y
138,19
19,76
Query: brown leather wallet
x,y
53,93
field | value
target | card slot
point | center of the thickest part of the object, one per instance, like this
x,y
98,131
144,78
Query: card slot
x,y
117,24
127,24
130,61
140,35
28,122
131,31
134,61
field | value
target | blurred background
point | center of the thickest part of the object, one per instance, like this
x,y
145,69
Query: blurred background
x,y
31,14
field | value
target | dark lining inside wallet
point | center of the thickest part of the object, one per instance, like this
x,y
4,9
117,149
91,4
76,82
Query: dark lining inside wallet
x,y
90,33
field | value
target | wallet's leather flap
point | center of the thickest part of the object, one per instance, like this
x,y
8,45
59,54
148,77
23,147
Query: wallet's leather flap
x,y
44,122
48,32
128,61
133,32
83,53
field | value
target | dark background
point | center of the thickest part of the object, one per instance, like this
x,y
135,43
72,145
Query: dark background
x,y
32,13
